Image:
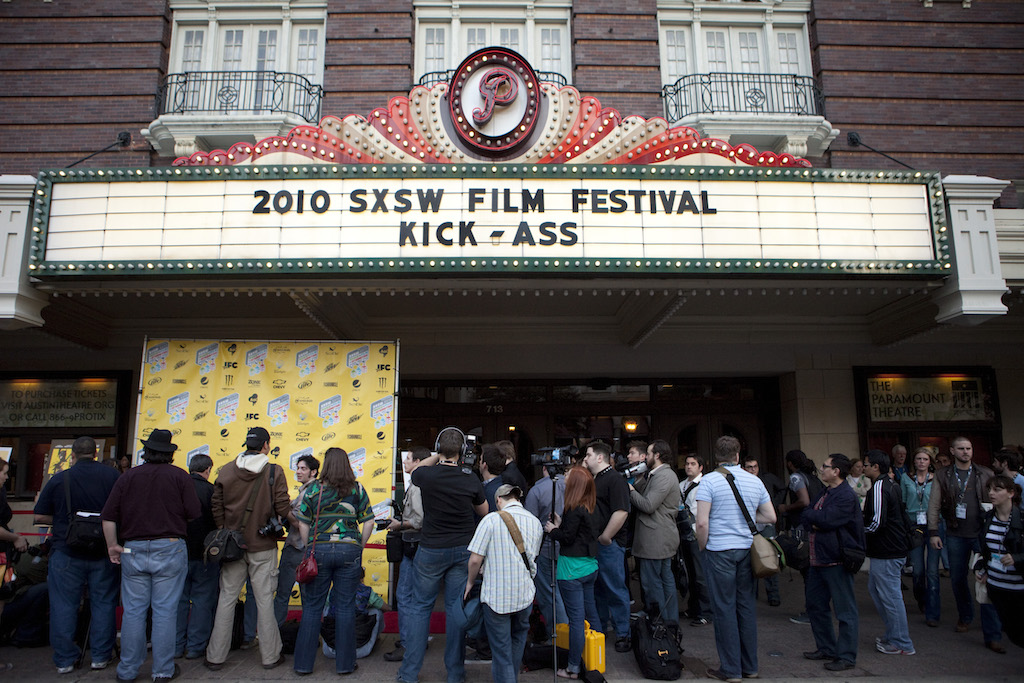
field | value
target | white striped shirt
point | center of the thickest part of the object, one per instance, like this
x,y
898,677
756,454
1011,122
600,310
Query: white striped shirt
x,y
727,527
999,575
508,586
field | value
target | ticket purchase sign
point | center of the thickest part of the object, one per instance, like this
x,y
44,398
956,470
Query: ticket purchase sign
x,y
310,396
488,218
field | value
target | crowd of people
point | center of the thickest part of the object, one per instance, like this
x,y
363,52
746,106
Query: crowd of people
x,y
498,547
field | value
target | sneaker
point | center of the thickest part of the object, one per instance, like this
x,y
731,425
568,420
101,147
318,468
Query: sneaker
x,y
66,669
961,627
890,649
932,623
700,621
719,676
880,640
96,666
801,618
249,644
623,645
774,603
177,672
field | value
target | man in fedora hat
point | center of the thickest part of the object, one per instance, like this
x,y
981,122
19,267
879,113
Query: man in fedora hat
x,y
149,509
230,499
86,484
508,590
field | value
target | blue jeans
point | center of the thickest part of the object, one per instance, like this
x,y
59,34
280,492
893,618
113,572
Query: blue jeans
x,y
578,596
100,576
507,634
290,559
959,557
152,576
432,566
771,587
196,607
835,584
542,581
404,592
884,579
339,565
926,579
610,590
697,596
660,586
733,593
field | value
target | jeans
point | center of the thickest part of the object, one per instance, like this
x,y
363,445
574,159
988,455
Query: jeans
x,y
835,584
959,557
259,567
578,596
197,606
290,559
432,566
69,577
339,566
152,576
660,587
732,588
884,587
507,634
610,590
697,602
926,579
542,581
771,587
404,592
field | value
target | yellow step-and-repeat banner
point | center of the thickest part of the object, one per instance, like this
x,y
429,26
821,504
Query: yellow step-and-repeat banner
x,y
310,396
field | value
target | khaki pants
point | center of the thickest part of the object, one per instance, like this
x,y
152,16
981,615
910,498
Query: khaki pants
x,y
261,568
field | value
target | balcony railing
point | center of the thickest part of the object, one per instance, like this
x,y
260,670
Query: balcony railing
x,y
256,92
431,78
737,93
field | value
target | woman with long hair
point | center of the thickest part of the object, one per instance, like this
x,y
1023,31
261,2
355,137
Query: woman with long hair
x,y
577,533
336,519
916,487
1002,548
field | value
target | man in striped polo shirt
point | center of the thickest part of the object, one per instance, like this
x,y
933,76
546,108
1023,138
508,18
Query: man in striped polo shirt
x,y
724,536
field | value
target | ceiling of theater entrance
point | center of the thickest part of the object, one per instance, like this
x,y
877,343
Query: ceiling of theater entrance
x,y
632,311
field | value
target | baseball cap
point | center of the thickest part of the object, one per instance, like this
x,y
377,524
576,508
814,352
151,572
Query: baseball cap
x,y
256,437
506,490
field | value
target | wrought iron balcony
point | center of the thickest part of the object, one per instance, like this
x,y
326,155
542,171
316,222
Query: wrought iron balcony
x,y
739,93
255,92
431,78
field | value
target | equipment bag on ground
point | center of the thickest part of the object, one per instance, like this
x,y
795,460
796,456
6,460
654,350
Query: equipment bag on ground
x,y
656,648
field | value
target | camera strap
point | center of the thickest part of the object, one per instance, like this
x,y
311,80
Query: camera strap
x,y
271,491
517,537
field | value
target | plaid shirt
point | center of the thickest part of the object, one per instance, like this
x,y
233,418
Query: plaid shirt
x,y
508,586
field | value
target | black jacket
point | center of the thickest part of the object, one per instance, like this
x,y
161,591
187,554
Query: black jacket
x,y
836,525
576,534
199,528
885,524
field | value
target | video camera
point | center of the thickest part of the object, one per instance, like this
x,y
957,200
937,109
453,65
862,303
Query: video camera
x,y
554,456
470,455
623,467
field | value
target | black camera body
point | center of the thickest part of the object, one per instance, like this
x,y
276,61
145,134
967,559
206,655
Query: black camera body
x,y
558,456
272,529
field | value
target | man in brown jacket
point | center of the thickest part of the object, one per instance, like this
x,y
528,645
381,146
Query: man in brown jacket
x,y
230,497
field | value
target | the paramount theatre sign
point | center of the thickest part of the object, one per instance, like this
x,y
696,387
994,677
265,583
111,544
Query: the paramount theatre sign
x,y
494,172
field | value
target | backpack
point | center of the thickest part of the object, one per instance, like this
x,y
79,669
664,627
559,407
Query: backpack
x,y
656,649
85,528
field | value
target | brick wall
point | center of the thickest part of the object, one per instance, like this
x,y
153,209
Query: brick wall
x,y
74,75
939,88
615,55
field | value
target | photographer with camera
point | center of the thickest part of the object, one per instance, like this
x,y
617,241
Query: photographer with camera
x,y
231,494
452,499
307,468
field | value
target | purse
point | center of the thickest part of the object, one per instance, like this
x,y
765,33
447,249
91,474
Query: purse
x,y
308,569
766,556
228,545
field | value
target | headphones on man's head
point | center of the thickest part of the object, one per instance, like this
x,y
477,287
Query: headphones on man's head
x,y
465,442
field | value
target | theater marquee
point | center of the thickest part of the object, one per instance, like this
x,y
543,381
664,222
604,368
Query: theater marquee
x,y
487,218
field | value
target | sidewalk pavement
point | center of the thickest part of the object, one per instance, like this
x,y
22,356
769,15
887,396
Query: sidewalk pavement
x,y
942,654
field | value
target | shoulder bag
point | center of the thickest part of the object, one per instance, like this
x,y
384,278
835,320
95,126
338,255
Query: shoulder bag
x,y
766,556
228,545
85,529
307,569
